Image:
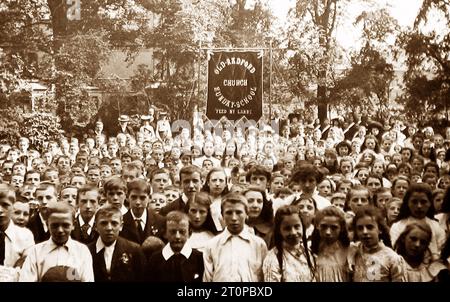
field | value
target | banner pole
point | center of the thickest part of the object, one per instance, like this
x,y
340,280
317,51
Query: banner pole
x,y
270,81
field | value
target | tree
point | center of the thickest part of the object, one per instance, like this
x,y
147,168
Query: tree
x,y
367,82
427,78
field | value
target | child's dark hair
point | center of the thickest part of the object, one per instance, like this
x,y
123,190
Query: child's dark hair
x,y
204,199
283,211
333,212
375,213
420,187
350,193
378,192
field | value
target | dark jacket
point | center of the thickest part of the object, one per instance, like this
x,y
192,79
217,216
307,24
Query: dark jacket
x,y
78,236
36,227
176,205
127,262
176,269
154,226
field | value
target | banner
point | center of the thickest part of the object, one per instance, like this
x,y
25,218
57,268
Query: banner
x,y
235,85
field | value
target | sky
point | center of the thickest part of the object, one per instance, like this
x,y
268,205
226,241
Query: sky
x,y
405,11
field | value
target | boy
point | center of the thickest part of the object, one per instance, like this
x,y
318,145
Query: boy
x,y
235,255
157,202
87,198
59,250
177,261
140,223
115,259
116,192
69,195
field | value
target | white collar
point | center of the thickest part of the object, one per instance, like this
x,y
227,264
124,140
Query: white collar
x,y
167,251
244,234
143,218
184,198
70,244
90,222
99,245
44,223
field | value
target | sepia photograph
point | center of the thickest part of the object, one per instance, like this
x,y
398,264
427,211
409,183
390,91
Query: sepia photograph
x,y
236,143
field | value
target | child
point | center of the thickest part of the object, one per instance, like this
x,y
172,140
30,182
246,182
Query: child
x,y
157,202
221,263
392,208
289,260
308,209
177,261
412,245
116,192
338,200
358,197
171,193
371,259
200,221
326,188
438,198
330,243
21,212
417,206
381,197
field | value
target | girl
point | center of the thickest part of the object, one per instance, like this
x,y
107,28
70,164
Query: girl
x,y
438,198
371,259
374,182
326,188
308,209
392,208
331,162
361,174
417,206
412,245
290,259
260,212
330,243
381,197
399,186
216,186
200,221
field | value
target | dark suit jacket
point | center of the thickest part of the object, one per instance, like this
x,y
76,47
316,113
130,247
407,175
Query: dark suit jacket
x,y
154,226
36,227
176,205
127,263
77,234
160,270
128,130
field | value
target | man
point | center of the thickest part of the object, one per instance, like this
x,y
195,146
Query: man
x,y
14,240
191,182
59,250
88,198
124,127
177,261
140,223
115,259
236,254
45,194
33,177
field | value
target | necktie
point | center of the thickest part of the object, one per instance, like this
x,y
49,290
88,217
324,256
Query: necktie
x,y
84,231
139,229
2,247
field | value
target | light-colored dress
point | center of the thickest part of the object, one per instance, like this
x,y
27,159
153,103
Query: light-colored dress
x,y
199,240
384,265
295,267
425,272
331,264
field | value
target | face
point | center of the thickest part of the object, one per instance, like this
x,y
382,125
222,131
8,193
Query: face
x,y
138,201
116,198
208,149
277,184
69,195
373,184
44,197
400,188
234,215
383,199
19,169
191,183
116,166
129,175
307,210
339,203
197,214
324,188
259,180
105,172
291,230
255,203
329,229
308,185
17,181
93,176
417,165
362,175
21,213
88,204
416,243
60,225
52,177
157,202
368,232
160,181
370,144
108,227
177,234
419,204
358,199
171,195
